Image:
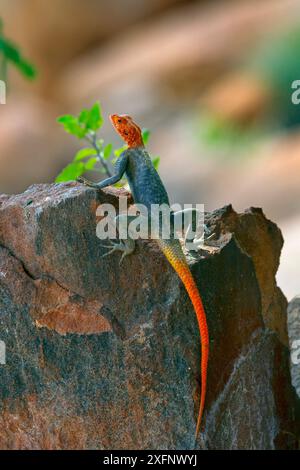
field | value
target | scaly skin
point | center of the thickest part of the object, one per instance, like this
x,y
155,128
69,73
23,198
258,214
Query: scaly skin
x,y
174,254
147,189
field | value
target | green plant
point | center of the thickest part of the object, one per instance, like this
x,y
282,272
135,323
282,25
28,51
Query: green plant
x,y
97,156
10,53
276,62
227,135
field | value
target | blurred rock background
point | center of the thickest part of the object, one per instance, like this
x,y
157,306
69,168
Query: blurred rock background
x,y
211,79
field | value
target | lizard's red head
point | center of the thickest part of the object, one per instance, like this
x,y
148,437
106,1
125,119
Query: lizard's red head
x,y
128,130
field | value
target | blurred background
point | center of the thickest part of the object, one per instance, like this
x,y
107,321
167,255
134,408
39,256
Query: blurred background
x,y
211,79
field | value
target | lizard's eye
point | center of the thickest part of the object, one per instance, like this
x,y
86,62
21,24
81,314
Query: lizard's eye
x,y
126,132
119,121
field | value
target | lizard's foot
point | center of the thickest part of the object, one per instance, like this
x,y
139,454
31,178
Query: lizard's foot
x,y
194,245
86,182
197,244
125,246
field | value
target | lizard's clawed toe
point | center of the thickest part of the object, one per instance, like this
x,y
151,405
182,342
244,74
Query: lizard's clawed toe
x,y
125,248
86,182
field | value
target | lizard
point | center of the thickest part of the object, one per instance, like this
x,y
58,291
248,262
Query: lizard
x,y
147,188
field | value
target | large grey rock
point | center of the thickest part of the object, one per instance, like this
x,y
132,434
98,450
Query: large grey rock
x,y
107,357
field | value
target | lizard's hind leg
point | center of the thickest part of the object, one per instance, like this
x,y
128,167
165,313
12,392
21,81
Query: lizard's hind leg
x,y
190,241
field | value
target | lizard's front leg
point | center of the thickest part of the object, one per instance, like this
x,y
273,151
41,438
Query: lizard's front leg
x,y
87,182
120,168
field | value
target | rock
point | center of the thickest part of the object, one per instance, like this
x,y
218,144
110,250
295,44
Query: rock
x,y
294,336
265,256
107,357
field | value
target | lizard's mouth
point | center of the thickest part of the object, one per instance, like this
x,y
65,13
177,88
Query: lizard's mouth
x,y
112,118
116,121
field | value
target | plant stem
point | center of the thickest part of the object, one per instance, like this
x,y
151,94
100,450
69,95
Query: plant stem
x,y
92,139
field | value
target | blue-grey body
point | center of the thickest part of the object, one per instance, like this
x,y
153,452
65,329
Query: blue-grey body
x,y
144,181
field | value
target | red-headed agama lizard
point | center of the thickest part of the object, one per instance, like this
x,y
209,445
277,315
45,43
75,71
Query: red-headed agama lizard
x,y
148,189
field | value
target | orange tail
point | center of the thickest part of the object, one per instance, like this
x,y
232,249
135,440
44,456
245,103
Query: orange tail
x,y
179,264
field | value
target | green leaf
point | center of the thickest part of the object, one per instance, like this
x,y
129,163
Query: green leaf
x,y
71,172
107,151
83,116
156,162
118,152
89,165
88,120
83,153
72,126
13,54
145,136
91,118
120,184
94,118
